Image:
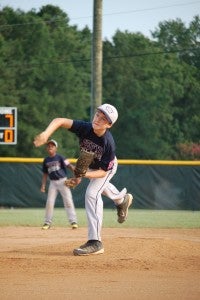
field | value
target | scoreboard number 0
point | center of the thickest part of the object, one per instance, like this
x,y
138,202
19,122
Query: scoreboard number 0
x,y
8,125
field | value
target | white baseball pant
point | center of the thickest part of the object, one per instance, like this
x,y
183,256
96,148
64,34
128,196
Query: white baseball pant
x,y
94,202
55,187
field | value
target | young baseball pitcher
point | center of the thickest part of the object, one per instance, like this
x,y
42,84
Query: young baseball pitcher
x,y
54,166
95,137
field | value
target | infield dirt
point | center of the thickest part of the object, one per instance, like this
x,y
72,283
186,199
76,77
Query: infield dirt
x,y
137,264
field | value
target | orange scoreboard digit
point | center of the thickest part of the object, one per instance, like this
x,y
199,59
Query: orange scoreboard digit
x,y
8,125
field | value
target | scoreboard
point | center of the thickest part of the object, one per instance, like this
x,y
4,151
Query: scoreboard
x,y
8,125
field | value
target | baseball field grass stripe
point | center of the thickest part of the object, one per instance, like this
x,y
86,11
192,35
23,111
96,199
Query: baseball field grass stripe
x,y
136,218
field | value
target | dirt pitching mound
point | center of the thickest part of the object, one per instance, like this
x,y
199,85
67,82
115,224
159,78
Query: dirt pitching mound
x,y
137,264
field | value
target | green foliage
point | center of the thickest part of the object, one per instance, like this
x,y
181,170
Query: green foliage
x,y
147,85
40,75
176,37
45,67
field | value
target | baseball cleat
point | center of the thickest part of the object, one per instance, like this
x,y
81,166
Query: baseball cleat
x,y
74,225
122,209
91,247
46,226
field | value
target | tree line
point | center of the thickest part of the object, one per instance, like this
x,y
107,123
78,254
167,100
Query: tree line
x,y
45,67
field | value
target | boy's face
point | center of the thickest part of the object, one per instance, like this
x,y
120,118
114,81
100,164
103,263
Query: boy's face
x,y
100,121
51,149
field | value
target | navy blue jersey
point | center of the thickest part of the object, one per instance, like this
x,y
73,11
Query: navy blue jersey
x,y
55,167
103,147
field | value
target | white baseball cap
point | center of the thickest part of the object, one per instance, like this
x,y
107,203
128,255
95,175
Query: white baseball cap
x,y
52,142
109,111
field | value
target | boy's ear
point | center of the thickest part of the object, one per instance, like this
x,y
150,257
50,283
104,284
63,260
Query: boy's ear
x,y
109,125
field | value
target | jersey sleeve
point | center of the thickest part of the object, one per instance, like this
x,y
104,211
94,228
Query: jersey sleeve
x,y
62,162
80,128
44,167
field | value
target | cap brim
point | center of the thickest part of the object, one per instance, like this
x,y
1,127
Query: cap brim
x,y
107,116
50,142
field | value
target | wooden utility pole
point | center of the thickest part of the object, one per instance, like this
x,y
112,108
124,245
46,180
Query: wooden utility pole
x,y
96,84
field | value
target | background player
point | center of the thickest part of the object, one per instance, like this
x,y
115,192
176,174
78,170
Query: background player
x,y
95,136
54,167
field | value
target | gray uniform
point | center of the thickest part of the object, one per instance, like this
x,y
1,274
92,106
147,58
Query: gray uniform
x,y
55,167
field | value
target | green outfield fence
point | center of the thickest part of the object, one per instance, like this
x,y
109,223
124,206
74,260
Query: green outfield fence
x,y
155,184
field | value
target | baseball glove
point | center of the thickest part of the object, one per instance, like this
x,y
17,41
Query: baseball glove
x,y
83,162
72,182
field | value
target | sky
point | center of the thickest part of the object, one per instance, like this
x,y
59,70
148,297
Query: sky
x,y
125,15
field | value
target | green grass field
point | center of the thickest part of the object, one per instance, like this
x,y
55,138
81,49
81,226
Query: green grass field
x,y
136,218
